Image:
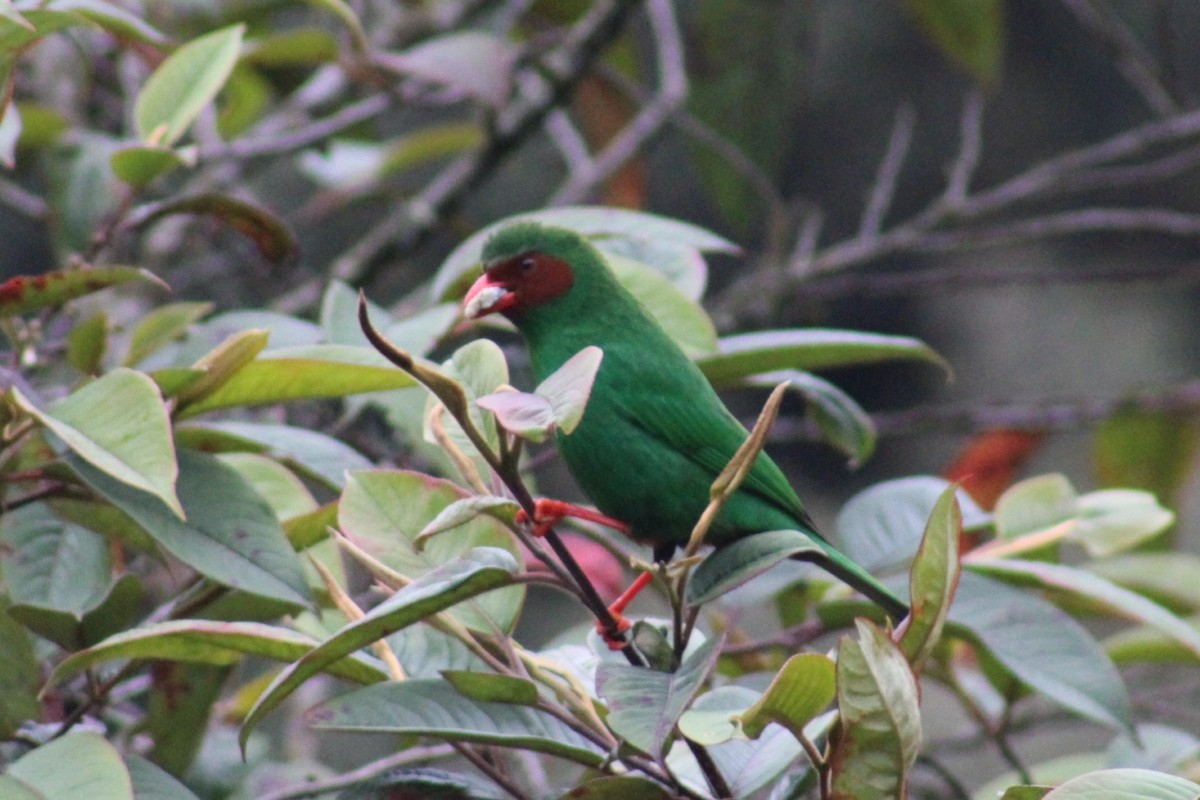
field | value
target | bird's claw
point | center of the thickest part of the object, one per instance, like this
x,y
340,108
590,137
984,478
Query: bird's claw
x,y
547,512
614,636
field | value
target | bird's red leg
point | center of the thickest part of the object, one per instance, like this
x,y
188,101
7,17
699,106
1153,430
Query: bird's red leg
x,y
617,610
547,512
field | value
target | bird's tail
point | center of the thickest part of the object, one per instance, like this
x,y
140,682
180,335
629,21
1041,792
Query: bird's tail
x,y
840,566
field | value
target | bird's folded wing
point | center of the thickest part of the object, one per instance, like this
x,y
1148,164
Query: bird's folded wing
x,y
709,436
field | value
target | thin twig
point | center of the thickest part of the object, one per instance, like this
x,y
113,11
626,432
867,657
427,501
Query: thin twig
x,y
314,132
883,190
1132,59
672,91
1047,414
558,72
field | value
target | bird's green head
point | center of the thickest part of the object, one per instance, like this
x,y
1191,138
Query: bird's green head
x,y
529,266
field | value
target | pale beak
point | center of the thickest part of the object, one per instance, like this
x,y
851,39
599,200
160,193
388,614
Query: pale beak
x,y
487,296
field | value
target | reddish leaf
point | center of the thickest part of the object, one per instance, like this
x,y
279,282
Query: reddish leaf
x,y
990,461
26,293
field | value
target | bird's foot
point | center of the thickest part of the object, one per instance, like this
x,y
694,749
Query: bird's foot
x,y
614,636
546,512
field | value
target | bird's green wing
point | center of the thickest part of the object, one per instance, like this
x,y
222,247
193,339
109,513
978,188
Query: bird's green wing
x,y
703,430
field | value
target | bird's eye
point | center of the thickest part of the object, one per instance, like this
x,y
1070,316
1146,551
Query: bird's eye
x,y
527,265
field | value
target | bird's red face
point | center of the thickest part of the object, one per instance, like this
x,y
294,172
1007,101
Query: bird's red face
x,y
514,285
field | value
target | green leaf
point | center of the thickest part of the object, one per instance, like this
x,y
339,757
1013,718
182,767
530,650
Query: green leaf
x,y
1145,645
180,702
96,771
713,717
87,343
347,16
221,364
1042,647
57,572
270,234
315,454
1126,784
933,579
811,349
481,570
1149,450
463,511
297,47
138,165
299,373
802,689
644,705
152,782
1170,579
383,512
1113,521
26,293
729,567
1078,584
644,236
430,707
231,535
617,787
1158,747
20,675
112,18
842,421
119,424
216,643
880,724
419,783
748,766
882,526
182,85
162,326
486,687
968,32
1035,505
284,492
683,319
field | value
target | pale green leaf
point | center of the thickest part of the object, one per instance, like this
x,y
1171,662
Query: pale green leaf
x,y
96,771
119,424
383,512
182,85
801,690
644,705
230,534
481,570
933,579
208,642
432,708
880,720
743,355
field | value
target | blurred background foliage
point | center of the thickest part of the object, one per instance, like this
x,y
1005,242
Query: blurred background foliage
x,y
1012,182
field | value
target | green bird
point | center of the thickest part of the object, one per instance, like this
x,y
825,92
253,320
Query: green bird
x,y
654,435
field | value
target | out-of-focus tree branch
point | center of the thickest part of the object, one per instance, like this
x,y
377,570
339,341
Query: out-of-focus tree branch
x,y
1010,212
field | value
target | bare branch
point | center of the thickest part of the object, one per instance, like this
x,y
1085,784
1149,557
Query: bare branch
x,y
970,146
672,91
1047,414
1132,59
556,74
883,190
